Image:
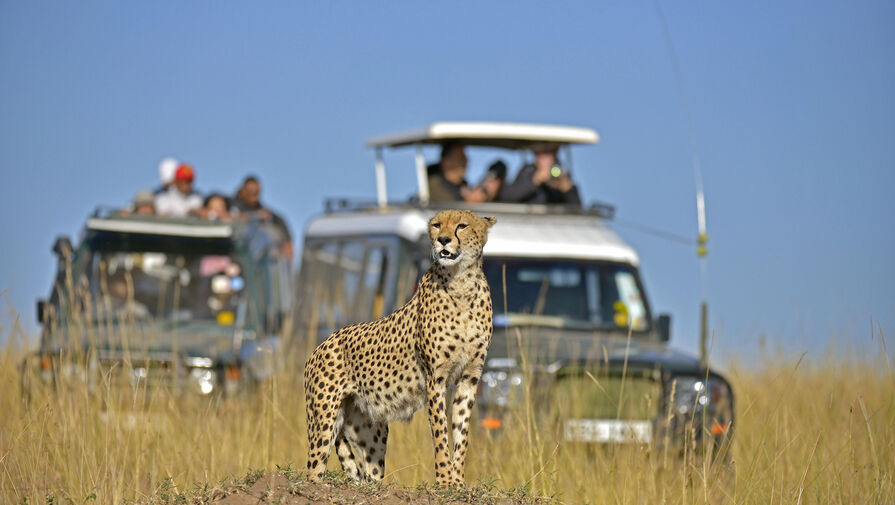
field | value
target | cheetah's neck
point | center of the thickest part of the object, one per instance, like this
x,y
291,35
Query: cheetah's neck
x,y
460,281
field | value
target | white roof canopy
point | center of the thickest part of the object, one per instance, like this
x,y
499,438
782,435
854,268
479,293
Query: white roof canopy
x,y
160,227
505,135
485,134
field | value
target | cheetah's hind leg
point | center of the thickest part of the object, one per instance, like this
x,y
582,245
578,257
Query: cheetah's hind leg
x,y
368,440
346,457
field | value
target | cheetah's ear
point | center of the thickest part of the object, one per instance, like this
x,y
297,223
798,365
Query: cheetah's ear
x,y
489,220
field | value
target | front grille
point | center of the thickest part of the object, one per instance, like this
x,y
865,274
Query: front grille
x,y
143,374
579,396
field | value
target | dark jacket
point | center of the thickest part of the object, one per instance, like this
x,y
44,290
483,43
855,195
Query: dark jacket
x,y
442,190
237,206
524,190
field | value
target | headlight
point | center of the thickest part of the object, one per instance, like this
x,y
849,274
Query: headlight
x,y
501,388
698,408
693,394
76,371
70,372
203,380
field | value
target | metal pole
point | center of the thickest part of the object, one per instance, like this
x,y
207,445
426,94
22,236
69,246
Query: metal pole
x,y
381,193
422,180
702,252
704,334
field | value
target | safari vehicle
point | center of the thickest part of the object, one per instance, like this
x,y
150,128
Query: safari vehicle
x,y
573,326
188,305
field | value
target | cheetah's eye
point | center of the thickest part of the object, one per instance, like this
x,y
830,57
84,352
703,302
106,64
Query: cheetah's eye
x,y
461,226
436,225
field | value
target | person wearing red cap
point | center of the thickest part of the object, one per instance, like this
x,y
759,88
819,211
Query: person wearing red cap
x,y
179,200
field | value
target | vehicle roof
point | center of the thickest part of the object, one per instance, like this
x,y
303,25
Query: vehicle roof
x,y
514,235
147,225
505,135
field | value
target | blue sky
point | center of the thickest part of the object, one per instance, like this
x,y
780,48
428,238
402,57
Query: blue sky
x,y
792,107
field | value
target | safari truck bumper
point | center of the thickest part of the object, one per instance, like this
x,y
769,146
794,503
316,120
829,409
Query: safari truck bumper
x,y
638,402
134,375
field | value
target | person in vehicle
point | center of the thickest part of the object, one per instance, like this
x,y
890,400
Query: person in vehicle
x,y
166,170
120,301
447,178
216,208
494,180
179,200
144,203
247,203
543,181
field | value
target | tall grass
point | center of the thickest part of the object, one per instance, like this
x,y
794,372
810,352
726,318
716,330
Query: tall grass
x,y
818,432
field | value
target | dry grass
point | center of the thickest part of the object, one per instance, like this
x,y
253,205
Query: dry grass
x,y
820,432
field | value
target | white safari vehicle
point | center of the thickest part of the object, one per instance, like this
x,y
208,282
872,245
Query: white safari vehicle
x,y
571,313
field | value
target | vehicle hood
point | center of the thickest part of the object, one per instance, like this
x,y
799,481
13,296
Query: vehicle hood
x,y
188,338
553,349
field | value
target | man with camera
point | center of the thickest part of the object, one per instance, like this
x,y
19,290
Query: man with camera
x,y
543,181
447,178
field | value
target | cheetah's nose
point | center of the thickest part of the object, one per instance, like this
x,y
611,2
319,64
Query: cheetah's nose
x,y
444,240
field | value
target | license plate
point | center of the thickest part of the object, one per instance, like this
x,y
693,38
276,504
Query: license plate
x,y
608,430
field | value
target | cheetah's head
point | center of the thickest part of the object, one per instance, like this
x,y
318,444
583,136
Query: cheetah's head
x,y
458,236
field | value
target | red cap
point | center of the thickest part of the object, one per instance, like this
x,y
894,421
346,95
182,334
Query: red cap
x,y
184,173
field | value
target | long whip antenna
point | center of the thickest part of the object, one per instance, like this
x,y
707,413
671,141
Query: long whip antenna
x,y
702,240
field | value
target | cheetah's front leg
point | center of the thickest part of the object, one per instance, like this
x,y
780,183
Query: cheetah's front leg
x,y
464,401
436,390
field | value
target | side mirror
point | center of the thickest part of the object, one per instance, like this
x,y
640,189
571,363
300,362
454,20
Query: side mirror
x,y
41,310
663,327
62,247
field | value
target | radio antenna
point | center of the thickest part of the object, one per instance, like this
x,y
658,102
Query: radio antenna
x,y
702,239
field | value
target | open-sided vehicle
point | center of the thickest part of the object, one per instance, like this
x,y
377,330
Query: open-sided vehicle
x,y
191,305
573,326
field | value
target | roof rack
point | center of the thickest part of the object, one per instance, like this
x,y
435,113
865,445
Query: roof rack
x,y
596,209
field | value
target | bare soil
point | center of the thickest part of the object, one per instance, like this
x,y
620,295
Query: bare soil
x,y
288,487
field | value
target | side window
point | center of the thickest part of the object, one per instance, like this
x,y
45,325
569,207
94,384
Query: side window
x,y
317,283
371,298
350,265
630,296
344,281
408,274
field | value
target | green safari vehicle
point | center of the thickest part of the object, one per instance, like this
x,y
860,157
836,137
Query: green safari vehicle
x,y
191,306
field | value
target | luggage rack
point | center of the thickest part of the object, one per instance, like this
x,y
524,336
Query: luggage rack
x,y
344,205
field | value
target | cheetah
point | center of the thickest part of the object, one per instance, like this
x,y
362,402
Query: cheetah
x,y
367,375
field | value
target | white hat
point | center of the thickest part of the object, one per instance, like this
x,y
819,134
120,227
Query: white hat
x,y
166,170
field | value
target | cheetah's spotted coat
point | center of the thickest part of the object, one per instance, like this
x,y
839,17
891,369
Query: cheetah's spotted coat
x,y
366,375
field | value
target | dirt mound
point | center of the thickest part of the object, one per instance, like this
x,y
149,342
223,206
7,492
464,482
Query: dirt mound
x,y
287,487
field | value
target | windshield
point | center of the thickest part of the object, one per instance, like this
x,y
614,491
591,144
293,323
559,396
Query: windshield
x,y
164,286
566,294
